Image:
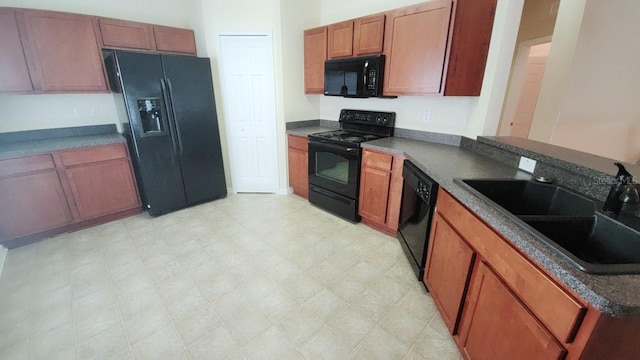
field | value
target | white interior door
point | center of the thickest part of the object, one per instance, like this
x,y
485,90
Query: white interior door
x,y
248,90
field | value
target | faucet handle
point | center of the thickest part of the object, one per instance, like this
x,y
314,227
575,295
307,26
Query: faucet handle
x,y
623,175
629,194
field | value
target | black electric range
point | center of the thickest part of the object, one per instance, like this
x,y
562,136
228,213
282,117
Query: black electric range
x,y
334,160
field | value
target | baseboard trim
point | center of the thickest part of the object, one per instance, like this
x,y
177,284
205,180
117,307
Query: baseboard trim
x,y
285,191
3,255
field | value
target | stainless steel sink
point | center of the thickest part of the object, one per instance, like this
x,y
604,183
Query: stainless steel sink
x,y
566,222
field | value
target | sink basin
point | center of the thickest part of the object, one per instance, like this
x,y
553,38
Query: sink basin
x,y
521,197
566,222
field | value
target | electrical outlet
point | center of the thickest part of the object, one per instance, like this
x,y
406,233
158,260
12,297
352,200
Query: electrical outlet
x,y
426,117
526,164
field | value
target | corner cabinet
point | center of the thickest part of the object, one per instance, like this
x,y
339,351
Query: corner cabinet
x,y
380,190
63,50
315,53
498,304
52,193
298,154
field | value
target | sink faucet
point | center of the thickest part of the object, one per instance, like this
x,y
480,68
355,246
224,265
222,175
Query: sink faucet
x,y
622,191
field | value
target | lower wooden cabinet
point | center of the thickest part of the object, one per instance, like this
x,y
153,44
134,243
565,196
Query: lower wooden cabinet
x,y
498,326
46,194
498,304
32,203
299,165
447,273
380,190
102,188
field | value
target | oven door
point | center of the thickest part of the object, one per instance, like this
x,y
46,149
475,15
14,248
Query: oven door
x,y
335,168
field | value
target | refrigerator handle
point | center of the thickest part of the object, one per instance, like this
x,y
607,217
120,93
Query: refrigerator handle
x,y
172,131
175,119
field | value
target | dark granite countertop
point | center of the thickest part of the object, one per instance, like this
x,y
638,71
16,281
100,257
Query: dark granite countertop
x,y
617,295
306,131
33,142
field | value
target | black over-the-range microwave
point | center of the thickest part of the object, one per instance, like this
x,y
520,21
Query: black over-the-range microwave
x,y
354,77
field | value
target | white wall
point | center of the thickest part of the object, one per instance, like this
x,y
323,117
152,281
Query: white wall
x,y
453,115
557,70
600,112
31,112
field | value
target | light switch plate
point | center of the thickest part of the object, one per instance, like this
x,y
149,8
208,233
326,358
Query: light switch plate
x,y
426,117
526,164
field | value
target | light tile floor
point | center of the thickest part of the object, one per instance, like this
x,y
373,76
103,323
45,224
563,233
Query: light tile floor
x,y
246,277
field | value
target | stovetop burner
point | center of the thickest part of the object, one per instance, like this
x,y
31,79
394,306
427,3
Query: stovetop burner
x,y
357,126
348,136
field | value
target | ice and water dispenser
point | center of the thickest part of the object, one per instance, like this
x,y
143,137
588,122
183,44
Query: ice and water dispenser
x,y
151,115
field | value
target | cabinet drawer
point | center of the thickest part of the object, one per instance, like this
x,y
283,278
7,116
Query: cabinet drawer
x,y
299,142
93,154
555,308
26,164
377,160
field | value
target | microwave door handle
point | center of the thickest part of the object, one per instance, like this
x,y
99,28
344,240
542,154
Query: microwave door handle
x,y
365,75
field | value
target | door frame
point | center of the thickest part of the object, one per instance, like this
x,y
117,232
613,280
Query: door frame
x,y
517,80
227,121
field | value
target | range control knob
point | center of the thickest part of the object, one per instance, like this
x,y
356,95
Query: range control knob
x,y
382,119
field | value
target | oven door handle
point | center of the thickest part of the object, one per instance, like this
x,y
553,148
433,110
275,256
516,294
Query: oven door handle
x,y
333,147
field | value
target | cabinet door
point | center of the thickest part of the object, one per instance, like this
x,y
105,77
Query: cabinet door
x,y
469,47
374,194
174,40
495,324
368,35
126,34
65,52
14,73
299,172
32,203
448,269
102,188
299,164
340,39
315,53
415,45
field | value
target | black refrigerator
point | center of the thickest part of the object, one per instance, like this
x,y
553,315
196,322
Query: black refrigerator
x,y
168,116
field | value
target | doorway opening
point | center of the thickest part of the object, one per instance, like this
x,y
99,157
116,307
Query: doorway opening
x,y
526,79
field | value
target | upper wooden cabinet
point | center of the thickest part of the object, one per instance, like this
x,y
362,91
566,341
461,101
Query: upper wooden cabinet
x,y
437,47
174,40
14,73
120,34
368,35
315,53
415,46
340,39
471,34
126,34
64,52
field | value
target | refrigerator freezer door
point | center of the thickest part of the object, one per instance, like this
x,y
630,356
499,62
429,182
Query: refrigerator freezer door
x,y
153,145
193,108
